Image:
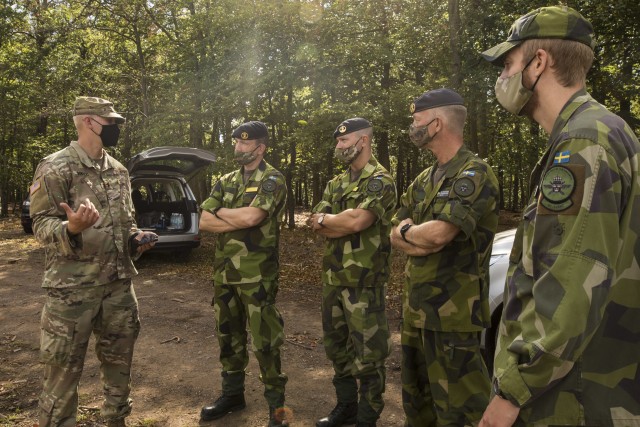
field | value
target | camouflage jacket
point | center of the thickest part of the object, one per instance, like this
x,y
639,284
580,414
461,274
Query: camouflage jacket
x,y
449,290
569,342
249,255
100,254
364,258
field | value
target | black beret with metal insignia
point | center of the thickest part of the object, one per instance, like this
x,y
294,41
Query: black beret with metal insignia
x,y
251,130
351,125
436,98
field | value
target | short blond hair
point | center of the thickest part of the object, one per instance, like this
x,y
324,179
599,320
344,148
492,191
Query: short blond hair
x,y
570,60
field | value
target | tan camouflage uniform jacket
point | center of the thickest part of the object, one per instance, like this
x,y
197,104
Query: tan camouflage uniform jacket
x,y
100,254
569,342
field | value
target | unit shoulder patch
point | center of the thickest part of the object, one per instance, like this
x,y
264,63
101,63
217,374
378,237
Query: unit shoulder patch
x,y
464,187
268,186
374,185
561,190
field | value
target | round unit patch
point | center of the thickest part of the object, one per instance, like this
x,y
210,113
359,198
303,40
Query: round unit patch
x,y
268,186
464,187
374,185
557,187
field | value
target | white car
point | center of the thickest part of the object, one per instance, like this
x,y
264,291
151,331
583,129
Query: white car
x,y
162,198
498,266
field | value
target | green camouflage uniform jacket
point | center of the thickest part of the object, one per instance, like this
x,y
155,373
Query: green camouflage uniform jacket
x,y
449,290
360,259
100,254
569,342
249,255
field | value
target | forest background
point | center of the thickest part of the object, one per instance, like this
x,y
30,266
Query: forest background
x,y
187,72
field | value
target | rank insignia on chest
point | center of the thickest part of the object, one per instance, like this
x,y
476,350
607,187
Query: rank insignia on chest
x,y
464,187
562,157
442,194
557,187
469,173
251,190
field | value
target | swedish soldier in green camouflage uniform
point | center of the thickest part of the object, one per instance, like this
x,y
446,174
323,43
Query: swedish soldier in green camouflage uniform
x,y
446,223
568,350
354,215
246,208
83,215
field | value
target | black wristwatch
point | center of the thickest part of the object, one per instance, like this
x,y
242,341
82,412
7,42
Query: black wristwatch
x,y
403,231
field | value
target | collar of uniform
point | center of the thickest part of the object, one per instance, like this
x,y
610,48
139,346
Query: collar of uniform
x,y
87,161
256,175
453,166
82,155
367,170
576,100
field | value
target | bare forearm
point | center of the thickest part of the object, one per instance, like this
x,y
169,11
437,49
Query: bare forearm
x,y
432,236
240,218
209,222
407,246
347,222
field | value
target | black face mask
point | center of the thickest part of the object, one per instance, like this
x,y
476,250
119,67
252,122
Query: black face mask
x,y
109,134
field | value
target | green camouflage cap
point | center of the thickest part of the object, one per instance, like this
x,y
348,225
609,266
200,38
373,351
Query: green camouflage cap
x,y
96,106
555,22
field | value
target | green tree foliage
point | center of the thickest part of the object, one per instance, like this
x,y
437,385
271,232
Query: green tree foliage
x,y
186,72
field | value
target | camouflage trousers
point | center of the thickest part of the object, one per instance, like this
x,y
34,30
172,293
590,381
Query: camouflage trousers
x,y
445,381
69,317
357,341
234,307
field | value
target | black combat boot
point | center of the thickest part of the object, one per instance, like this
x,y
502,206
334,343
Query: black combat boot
x,y
224,405
343,413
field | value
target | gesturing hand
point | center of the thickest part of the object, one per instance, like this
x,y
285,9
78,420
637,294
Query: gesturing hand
x,y
83,218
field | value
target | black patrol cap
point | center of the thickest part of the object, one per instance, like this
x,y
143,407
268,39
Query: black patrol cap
x,y
436,98
251,130
351,125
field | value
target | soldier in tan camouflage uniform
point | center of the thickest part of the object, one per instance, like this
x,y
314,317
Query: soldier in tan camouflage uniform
x,y
83,215
446,223
246,208
569,349
354,215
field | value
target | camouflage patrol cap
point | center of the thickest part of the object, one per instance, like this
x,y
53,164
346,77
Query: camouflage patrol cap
x,y
251,130
435,98
351,125
555,22
96,106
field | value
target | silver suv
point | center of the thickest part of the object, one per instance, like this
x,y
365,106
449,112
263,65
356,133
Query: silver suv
x,y
498,266
162,198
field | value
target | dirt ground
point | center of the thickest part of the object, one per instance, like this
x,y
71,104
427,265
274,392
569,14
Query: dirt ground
x,y
176,369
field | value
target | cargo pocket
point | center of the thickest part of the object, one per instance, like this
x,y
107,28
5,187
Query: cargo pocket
x,y
56,337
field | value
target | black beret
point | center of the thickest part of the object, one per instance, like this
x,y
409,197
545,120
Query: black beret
x,y
436,98
351,125
251,130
